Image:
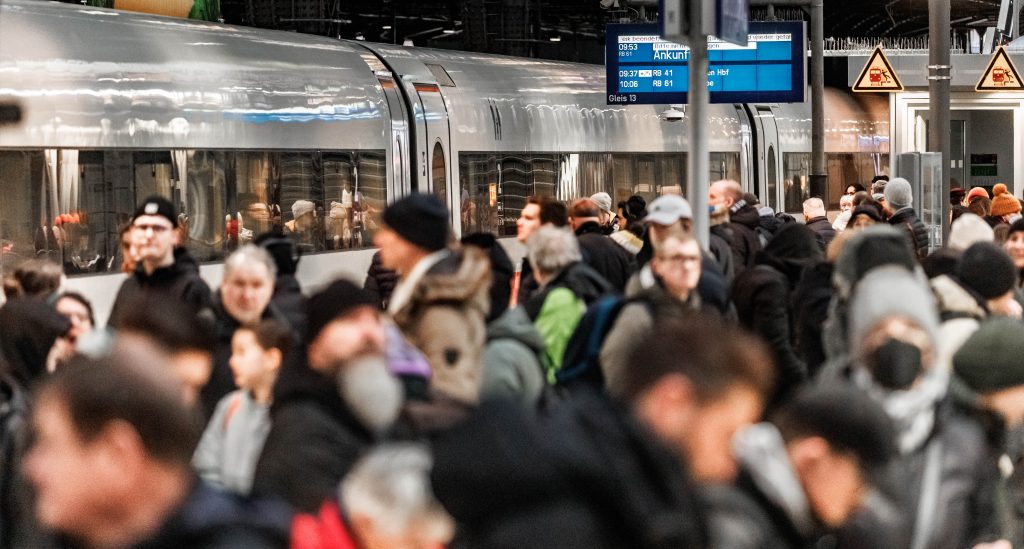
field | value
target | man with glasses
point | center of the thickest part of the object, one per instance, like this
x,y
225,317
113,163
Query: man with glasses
x,y
160,268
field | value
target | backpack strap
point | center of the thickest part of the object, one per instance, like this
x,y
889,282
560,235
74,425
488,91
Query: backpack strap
x,y
595,326
233,406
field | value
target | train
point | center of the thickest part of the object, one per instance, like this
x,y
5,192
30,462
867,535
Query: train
x,y
246,129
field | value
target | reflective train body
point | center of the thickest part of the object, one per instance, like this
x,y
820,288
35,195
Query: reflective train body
x,y
246,129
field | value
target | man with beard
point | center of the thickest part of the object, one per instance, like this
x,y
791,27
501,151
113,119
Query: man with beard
x,y
332,407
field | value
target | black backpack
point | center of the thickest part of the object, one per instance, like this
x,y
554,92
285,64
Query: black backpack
x,y
581,362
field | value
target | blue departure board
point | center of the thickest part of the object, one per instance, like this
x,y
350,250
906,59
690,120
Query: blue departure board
x,y
644,68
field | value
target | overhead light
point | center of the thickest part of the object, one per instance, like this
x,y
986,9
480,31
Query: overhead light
x,y
386,27
555,39
449,31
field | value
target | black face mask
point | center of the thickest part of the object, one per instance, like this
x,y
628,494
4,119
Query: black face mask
x,y
895,364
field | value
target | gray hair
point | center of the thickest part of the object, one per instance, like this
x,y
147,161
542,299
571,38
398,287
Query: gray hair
x,y
250,254
552,249
814,203
391,486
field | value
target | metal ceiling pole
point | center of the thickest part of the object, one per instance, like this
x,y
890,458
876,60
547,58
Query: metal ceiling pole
x,y
819,173
698,98
938,98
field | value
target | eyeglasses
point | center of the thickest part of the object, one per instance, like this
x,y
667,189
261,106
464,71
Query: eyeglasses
x,y
157,229
679,259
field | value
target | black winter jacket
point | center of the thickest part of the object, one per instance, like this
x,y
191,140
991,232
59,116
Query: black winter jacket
x,y
179,281
822,229
915,228
744,222
588,477
380,281
606,257
212,519
313,442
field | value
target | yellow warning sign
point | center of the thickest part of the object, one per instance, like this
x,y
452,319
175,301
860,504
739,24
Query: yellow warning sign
x,y
1000,75
878,75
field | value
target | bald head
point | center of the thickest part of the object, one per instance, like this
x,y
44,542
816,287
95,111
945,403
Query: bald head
x,y
725,192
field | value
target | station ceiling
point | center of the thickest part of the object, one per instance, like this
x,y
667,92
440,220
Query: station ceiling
x,y
862,18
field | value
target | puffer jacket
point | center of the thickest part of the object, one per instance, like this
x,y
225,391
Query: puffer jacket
x,y
915,229
445,318
512,359
962,508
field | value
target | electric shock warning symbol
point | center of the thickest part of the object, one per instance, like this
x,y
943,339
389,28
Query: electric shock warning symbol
x,y
878,75
1001,74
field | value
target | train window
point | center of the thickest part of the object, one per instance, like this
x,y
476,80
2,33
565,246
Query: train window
x,y
796,168
370,197
20,210
67,205
725,165
772,168
646,175
845,169
442,76
439,174
208,202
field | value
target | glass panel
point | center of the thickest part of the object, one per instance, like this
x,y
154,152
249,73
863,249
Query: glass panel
x,y
725,165
439,174
370,197
207,206
301,197
339,195
773,178
796,168
21,175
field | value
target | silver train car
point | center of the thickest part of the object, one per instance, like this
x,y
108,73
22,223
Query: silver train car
x,y
246,129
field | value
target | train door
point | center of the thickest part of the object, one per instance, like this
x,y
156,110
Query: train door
x,y
398,158
766,157
434,153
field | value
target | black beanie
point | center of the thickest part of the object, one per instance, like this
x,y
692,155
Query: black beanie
x,y
336,300
990,360
158,205
986,269
420,219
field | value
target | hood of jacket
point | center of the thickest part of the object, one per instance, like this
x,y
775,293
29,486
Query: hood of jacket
x,y
515,324
792,249
954,300
869,248
463,277
28,329
746,215
765,463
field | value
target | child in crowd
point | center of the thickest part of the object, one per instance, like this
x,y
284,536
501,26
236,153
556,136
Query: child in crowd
x,y
230,446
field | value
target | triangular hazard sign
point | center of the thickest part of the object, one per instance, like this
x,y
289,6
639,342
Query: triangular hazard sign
x,y
1000,75
877,75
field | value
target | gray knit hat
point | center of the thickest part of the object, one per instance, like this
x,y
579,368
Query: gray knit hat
x,y
898,193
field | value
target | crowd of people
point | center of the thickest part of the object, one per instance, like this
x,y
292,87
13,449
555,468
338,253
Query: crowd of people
x,y
794,384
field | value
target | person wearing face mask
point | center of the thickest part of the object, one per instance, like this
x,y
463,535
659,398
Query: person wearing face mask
x,y
990,370
942,479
